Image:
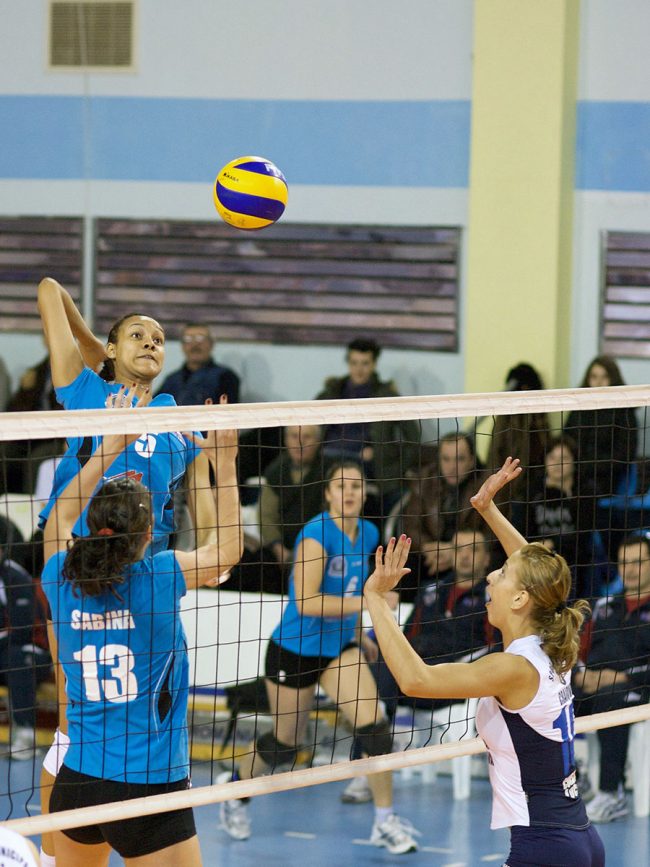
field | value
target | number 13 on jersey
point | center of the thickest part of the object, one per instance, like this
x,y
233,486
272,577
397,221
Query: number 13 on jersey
x,y
122,684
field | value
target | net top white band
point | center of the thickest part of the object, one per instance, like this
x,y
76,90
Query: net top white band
x,y
49,425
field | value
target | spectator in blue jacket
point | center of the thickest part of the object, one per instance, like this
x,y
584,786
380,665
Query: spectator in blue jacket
x,y
200,377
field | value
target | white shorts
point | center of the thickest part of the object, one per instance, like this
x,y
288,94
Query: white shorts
x,y
56,753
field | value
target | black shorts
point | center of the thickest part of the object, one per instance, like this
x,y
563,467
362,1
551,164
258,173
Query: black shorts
x,y
294,670
131,838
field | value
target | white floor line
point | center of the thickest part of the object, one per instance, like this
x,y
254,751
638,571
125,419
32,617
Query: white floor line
x,y
437,850
496,856
300,835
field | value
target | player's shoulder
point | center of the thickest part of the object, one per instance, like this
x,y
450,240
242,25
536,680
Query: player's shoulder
x,y
86,391
317,528
369,532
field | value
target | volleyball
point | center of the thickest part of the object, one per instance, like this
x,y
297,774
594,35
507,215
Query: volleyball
x,y
250,193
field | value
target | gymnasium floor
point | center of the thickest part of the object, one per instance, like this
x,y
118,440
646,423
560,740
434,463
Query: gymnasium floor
x,y
312,828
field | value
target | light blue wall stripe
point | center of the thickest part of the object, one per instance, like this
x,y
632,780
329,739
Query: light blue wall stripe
x,y
416,144
411,144
41,137
613,146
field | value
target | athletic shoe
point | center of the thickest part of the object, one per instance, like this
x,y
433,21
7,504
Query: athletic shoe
x,y
23,743
235,820
395,834
607,806
357,791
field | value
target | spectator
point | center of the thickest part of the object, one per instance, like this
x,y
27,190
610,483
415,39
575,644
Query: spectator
x,y
615,651
200,378
23,662
293,492
291,495
606,439
524,435
438,506
21,458
560,519
448,624
387,449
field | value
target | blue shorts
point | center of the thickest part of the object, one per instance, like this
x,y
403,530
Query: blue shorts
x,y
555,847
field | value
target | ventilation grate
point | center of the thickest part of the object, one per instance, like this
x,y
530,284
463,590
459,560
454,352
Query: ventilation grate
x,y
91,34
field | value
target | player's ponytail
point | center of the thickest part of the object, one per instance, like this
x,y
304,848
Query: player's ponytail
x,y
546,577
118,516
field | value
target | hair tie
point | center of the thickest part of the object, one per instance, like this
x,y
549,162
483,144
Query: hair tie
x,y
560,608
105,531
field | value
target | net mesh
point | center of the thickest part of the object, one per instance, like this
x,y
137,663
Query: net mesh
x,y
583,493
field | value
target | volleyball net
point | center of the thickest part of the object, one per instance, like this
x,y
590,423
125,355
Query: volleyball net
x,y
585,492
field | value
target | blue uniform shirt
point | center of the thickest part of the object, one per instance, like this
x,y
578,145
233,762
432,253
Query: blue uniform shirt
x,y
345,572
126,671
157,460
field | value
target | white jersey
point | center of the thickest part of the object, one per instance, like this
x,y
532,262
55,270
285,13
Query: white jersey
x,y
530,751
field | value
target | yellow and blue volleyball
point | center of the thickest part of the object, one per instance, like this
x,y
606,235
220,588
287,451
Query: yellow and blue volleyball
x,y
250,193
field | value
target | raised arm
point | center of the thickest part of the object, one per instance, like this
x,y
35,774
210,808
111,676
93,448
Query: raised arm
x,y
502,674
483,501
75,497
211,562
70,342
308,573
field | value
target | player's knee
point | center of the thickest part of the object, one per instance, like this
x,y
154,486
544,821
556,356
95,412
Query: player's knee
x,y
273,752
375,739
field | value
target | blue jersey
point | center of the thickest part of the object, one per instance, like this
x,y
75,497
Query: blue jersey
x,y
157,460
344,574
126,670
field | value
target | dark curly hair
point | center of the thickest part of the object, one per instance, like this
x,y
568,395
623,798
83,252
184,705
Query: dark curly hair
x,y
95,563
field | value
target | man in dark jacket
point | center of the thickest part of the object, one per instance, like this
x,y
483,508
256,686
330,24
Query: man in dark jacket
x,y
200,377
388,449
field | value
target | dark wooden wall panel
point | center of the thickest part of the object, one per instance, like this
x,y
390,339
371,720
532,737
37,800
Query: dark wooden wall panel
x,y
291,283
32,248
625,320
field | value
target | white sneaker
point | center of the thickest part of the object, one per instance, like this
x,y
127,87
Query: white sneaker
x,y
395,834
357,791
23,743
235,820
607,806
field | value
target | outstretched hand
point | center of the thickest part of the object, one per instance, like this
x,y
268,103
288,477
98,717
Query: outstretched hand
x,y
483,498
114,444
137,395
390,566
220,446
